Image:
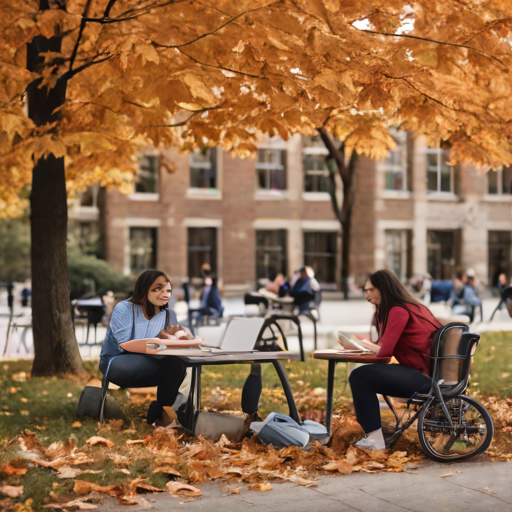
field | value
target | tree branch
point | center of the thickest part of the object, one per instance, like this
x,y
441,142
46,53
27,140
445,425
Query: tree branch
x,y
207,34
336,154
409,36
106,13
406,80
220,67
71,74
83,22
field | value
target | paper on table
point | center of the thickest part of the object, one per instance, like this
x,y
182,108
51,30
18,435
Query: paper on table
x,y
351,343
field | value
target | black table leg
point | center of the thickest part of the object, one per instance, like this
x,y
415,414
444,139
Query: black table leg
x,y
299,328
287,390
330,389
190,411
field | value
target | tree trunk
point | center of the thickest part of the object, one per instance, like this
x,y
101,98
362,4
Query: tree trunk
x,y
55,347
345,256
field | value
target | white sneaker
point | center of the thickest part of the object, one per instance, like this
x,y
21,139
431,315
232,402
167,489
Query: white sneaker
x,y
365,444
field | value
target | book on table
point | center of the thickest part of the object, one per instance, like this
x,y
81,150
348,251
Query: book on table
x,y
351,345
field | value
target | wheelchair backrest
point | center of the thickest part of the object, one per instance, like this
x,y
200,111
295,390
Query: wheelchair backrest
x,y
452,348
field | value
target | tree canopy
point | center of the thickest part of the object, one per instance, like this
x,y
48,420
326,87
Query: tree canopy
x,y
218,72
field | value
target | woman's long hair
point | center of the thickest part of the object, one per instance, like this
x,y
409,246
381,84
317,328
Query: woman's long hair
x,y
142,286
394,294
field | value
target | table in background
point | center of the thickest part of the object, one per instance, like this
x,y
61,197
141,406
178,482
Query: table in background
x,y
336,356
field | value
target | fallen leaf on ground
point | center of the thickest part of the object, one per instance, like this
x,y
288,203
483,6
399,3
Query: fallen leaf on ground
x,y
182,489
446,474
79,504
167,470
94,440
260,486
68,472
13,491
341,466
83,487
489,490
139,485
9,470
127,500
76,424
131,442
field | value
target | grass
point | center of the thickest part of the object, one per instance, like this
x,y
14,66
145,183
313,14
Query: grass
x,y
47,406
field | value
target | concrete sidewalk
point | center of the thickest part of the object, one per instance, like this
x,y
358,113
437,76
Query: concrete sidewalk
x,y
473,487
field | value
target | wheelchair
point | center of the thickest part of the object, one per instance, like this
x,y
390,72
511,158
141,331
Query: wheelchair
x,y
451,425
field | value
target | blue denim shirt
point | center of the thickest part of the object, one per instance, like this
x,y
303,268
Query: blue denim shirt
x,y
129,323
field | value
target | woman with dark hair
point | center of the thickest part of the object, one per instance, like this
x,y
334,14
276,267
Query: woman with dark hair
x,y
406,329
144,315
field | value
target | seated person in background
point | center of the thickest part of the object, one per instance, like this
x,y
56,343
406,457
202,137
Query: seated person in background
x,y
144,315
405,328
471,300
278,285
304,288
459,283
441,290
502,283
211,304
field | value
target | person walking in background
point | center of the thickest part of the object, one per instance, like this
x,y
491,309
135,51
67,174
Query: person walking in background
x,y
501,286
25,295
10,297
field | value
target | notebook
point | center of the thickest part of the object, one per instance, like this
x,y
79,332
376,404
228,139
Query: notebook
x,y
240,334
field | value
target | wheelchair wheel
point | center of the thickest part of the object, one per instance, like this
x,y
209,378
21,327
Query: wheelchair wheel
x,y
470,435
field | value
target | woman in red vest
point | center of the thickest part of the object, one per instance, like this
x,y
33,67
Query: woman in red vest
x,y
406,329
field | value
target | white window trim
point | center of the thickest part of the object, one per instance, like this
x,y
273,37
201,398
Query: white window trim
x,y
439,152
394,194
202,222
316,196
204,193
205,165
264,194
442,196
496,198
278,144
144,196
320,225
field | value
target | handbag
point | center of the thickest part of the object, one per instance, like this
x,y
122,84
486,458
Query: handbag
x,y
89,405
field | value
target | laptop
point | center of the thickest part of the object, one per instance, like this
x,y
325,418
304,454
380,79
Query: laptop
x,y
240,334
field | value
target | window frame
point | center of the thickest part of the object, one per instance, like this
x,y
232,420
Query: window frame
x,y
439,152
311,147
269,167
499,183
283,235
156,170
332,257
400,138
154,248
210,166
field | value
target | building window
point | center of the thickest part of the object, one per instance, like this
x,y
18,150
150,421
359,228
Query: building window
x,y
398,252
439,173
314,163
147,180
500,182
142,249
320,254
270,254
203,168
500,255
89,197
202,248
443,253
271,169
394,164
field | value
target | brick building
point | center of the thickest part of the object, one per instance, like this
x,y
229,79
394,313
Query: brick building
x,y
252,218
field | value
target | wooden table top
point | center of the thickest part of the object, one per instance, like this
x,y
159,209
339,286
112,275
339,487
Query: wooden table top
x,y
334,354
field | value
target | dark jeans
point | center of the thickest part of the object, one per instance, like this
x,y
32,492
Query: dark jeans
x,y
141,370
386,379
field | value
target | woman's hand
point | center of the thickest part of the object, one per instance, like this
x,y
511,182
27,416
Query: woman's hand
x,y
163,335
179,332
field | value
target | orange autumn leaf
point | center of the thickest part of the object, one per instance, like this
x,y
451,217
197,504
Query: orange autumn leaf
x,y
93,441
182,489
260,486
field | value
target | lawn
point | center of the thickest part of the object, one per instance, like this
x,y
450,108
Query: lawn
x,y
42,411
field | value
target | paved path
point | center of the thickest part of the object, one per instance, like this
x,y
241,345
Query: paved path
x,y
422,490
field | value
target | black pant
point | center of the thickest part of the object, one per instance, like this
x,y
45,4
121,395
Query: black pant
x,y
386,379
141,370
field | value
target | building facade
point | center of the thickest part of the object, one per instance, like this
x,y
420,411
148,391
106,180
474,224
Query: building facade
x,y
253,218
